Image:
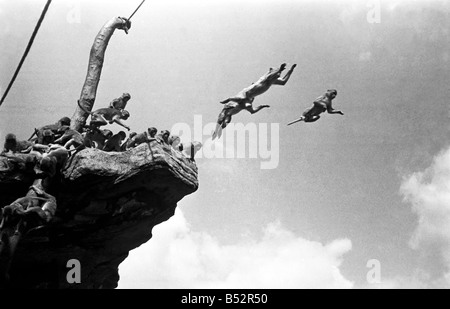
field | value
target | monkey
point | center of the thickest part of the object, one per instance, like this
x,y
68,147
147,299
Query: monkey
x,y
175,142
103,116
15,146
114,142
21,162
71,138
144,137
96,138
126,144
190,149
244,99
121,102
48,137
64,121
43,205
320,105
53,160
163,137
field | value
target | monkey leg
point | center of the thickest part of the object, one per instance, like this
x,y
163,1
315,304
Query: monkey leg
x,y
312,119
237,99
257,109
98,120
69,144
222,121
62,140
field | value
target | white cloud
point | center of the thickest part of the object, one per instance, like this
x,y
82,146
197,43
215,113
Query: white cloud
x,y
429,194
178,257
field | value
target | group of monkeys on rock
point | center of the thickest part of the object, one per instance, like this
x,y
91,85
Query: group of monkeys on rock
x,y
51,145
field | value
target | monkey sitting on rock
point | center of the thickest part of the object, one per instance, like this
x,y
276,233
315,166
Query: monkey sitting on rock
x,y
13,145
114,143
54,128
141,138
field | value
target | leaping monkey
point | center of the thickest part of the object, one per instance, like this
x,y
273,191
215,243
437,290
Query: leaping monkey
x,y
244,99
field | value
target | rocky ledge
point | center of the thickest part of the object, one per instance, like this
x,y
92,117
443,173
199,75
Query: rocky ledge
x,y
108,204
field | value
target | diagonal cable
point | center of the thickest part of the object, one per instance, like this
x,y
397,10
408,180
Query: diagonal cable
x,y
30,43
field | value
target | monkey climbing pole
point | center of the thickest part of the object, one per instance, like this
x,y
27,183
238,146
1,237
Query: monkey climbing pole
x,y
96,59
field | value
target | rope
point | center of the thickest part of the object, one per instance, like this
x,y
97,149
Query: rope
x,y
136,9
26,50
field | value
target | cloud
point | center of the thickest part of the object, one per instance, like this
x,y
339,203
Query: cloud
x,y
178,257
429,194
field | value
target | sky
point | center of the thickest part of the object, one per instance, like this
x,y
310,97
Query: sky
x,y
356,201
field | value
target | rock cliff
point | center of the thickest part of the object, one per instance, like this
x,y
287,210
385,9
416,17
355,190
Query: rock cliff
x,y
108,204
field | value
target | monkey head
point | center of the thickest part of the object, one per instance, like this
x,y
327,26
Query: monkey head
x,y
152,131
124,114
174,140
107,133
48,133
10,137
332,93
64,121
30,162
62,129
126,96
122,135
48,165
10,142
165,135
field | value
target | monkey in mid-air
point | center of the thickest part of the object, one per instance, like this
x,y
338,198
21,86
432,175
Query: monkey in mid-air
x,y
103,116
121,102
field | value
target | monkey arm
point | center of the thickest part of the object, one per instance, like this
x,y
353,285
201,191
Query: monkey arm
x,y
27,150
284,80
117,120
40,147
331,110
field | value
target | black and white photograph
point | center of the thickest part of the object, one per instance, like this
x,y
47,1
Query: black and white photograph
x,y
225,145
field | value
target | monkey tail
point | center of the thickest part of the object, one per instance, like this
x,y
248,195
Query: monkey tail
x,y
35,133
